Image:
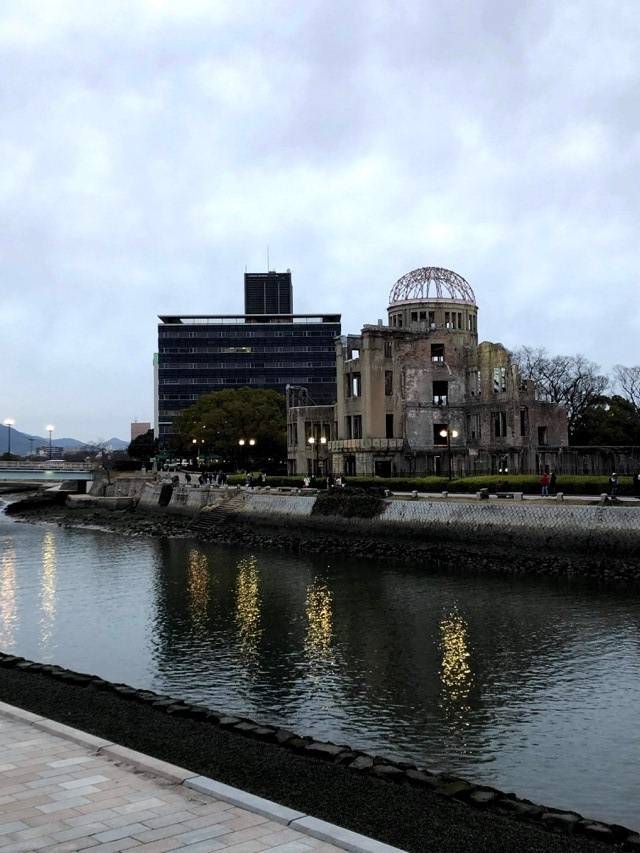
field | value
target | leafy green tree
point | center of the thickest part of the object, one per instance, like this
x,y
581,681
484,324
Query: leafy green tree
x,y
143,446
218,421
608,421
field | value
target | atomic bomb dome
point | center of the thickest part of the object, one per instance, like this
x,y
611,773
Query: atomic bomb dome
x,y
430,283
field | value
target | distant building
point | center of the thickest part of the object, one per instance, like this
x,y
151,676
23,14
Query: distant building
x,y
199,354
419,393
139,428
52,452
268,293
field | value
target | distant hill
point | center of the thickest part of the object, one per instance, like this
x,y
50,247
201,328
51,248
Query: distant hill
x,y
118,444
21,445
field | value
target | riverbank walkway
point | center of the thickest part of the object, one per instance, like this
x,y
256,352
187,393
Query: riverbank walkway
x,y
59,795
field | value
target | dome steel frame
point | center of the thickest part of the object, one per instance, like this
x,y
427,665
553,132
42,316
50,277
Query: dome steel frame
x,y
427,283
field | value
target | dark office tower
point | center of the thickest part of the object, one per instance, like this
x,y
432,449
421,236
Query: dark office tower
x,y
268,293
205,353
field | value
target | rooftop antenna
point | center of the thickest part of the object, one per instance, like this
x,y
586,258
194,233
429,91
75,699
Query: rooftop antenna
x,y
268,267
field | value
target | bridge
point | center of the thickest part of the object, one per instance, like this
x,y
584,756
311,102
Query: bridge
x,y
51,472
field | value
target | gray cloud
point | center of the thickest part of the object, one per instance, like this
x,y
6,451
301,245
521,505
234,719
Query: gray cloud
x,y
150,150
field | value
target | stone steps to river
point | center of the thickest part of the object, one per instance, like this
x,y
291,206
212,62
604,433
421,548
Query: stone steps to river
x,y
219,516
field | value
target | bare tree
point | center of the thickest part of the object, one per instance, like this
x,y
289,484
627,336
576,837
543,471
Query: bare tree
x,y
627,380
570,380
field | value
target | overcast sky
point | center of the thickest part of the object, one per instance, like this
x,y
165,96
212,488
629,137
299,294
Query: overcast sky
x,y
151,149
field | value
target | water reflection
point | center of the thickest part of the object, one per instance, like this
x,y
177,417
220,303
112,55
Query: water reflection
x,y
198,588
47,589
455,669
318,609
8,613
248,608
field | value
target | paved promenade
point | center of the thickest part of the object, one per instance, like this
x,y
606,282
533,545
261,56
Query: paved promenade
x,y
58,796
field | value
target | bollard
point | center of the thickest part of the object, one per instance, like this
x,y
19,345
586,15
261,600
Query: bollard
x,y
560,496
445,494
414,495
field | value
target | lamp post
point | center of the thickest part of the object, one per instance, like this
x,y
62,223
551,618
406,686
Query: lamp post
x,y
50,428
8,422
449,434
243,442
321,441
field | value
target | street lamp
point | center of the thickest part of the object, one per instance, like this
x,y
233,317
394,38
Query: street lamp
x,y
8,422
321,441
449,434
50,428
243,442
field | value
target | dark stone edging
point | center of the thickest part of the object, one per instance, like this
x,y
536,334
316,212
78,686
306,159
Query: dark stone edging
x,y
441,784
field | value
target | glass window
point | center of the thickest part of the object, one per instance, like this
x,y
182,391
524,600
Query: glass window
x,y
388,383
388,349
357,426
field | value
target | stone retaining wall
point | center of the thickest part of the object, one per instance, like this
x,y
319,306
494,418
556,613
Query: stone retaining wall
x,y
609,528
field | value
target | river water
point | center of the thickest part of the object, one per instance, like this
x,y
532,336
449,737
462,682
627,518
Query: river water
x,y
531,686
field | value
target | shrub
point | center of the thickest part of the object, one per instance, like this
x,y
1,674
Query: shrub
x,y
348,503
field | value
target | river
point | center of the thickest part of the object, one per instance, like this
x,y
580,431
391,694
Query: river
x,y
531,686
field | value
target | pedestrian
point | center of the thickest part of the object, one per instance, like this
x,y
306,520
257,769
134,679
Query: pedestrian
x,y
636,484
544,483
330,482
307,482
187,479
552,483
263,478
613,484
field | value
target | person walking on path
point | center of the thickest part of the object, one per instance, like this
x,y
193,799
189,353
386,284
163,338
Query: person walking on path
x,y
544,484
636,484
613,485
552,483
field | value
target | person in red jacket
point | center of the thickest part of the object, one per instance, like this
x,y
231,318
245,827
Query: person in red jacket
x,y
544,483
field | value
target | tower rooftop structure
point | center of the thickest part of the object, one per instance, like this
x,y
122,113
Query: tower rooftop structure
x,y
431,284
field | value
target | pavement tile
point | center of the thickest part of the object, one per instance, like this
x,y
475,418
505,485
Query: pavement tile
x,y
59,796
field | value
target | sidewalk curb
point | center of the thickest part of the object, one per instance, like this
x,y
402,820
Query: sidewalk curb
x,y
305,824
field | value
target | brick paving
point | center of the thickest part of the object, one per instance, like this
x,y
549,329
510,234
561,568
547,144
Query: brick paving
x,y
57,796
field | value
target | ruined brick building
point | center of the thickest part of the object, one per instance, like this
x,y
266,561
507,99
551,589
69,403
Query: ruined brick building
x,y
421,394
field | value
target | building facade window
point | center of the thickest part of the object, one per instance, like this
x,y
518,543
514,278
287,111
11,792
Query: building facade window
x,y
524,421
473,427
542,435
440,393
388,383
440,440
499,379
437,353
356,385
499,424
389,426
357,426
388,349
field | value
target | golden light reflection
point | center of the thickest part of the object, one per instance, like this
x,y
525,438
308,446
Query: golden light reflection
x,y
455,671
248,606
48,587
8,613
318,608
198,587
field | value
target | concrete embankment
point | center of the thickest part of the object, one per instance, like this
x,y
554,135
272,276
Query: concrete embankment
x,y
557,527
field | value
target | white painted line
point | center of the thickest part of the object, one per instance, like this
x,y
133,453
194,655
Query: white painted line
x,y
238,797
341,837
